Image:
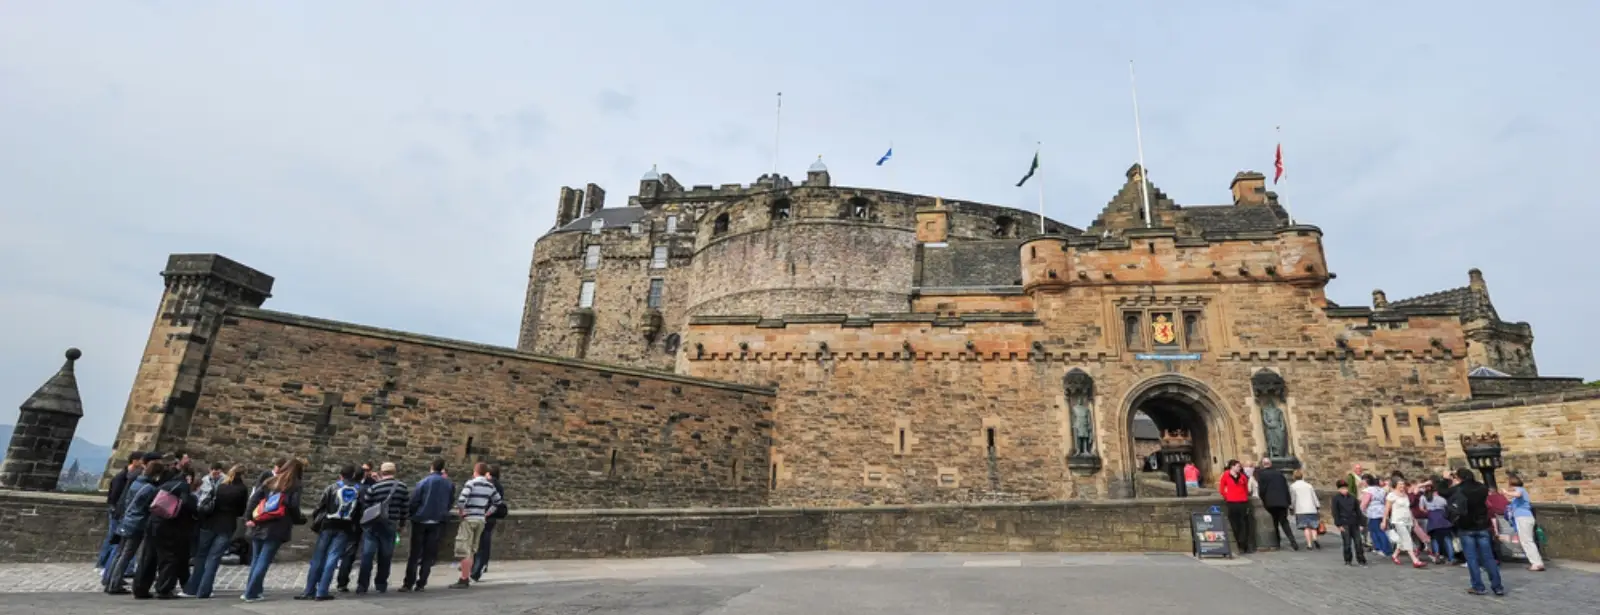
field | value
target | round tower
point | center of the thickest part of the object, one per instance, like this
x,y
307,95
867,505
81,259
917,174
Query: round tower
x,y
44,432
1044,263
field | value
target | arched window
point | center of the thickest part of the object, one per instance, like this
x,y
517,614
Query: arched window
x,y
1005,227
781,210
720,226
671,345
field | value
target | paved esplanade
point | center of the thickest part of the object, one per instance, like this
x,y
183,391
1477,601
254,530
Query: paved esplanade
x,y
879,583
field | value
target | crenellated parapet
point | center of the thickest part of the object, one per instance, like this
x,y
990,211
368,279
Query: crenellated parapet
x,y
1290,255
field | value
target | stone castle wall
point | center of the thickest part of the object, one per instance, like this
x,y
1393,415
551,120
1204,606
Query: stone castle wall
x,y
1551,441
565,434
823,255
905,411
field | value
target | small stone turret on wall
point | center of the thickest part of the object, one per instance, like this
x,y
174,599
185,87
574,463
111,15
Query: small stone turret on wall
x,y
43,433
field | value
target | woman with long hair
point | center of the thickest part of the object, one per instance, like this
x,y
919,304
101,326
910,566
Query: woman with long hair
x,y
217,525
271,513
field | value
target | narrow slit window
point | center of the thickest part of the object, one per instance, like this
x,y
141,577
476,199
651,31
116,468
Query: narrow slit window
x,y
1385,422
733,473
774,483
990,434
586,294
467,452
902,447
612,471
653,299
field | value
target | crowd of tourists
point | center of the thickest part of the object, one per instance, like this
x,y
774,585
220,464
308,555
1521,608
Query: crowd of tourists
x,y
1451,519
172,526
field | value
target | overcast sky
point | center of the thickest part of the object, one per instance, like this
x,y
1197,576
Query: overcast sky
x,y
392,163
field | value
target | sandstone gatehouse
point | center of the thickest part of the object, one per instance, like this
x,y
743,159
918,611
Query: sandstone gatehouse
x,y
810,344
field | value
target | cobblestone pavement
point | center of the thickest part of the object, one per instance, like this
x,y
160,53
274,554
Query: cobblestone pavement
x,y
887,583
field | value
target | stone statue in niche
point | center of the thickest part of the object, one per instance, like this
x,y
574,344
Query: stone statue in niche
x,y
1080,399
1270,393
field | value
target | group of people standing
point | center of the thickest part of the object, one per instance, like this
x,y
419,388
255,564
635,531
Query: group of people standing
x,y
170,526
1424,519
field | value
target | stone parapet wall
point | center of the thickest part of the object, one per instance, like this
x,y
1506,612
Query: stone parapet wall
x,y
1492,387
1551,441
1573,531
37,527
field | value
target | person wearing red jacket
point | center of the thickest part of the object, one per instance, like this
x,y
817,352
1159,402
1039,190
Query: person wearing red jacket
x,y
1235,488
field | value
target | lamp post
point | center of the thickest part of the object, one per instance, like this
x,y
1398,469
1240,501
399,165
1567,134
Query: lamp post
x,y
1483,455
1177,449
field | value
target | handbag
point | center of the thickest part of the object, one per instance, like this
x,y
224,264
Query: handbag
x,y
1322,528
374,513
165,505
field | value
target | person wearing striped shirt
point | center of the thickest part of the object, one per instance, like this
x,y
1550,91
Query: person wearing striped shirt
x,y
478,498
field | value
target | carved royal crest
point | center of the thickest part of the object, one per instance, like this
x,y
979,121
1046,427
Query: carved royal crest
x,y
1164,330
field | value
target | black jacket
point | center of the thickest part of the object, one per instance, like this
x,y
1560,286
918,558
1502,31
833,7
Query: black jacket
x,y
229,507
1477,516
119,486
329,504
1273,487
1347,511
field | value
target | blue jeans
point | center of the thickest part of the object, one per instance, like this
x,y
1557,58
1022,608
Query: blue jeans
x,y
262,551
1380,538
207,557
325,562
1479,545
106,548
377,544
1442,545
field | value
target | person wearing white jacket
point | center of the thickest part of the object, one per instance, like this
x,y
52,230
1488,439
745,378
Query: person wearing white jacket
x,y
1303,501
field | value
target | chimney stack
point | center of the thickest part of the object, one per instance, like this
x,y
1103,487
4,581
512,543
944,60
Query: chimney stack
x,y
569,207
1380,301
1249,188
1475,280
594,199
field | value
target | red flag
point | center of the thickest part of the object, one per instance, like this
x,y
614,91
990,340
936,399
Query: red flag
x,y
1277,165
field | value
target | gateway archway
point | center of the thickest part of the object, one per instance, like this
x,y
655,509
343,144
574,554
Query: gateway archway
x,y
1173,402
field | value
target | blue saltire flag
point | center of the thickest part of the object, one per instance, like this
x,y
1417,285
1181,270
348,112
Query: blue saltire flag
x,y
886,156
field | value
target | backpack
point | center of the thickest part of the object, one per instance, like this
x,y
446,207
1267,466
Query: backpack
x,y
1455,508
166,504
270,508
345,499
206,499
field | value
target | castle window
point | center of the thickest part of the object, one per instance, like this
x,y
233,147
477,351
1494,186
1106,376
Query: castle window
x,y
658,257
720,225
1005,227
858,208
586,294
634,228
781,210
670,346
1133,330
596,226
672,224
1194,337
653,300
591,257
901,447
989,435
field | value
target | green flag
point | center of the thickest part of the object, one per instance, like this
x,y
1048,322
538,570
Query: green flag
x,y
1031,169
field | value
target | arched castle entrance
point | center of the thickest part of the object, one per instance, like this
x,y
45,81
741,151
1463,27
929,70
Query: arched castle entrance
x,y
1175,402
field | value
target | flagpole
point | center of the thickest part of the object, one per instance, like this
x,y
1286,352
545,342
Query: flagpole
x,y
1036,150
1138,135
777,130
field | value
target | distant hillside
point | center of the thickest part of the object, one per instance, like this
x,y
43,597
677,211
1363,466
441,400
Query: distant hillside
x,y
91,457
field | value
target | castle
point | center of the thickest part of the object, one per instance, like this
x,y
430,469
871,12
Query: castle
x,y
812,344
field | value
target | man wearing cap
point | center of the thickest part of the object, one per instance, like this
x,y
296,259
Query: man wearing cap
x,y
380,530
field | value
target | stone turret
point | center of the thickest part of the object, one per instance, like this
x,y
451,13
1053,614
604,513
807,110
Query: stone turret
x,y
44,432
817,175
